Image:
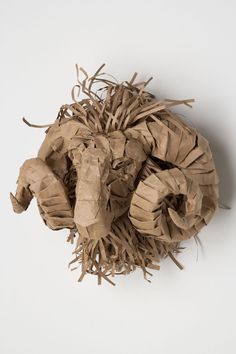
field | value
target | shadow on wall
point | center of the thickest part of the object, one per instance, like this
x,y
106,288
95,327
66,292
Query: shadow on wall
x,y
221,156
223,165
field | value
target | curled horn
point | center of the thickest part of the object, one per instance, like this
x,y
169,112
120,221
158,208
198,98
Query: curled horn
x,y
166,205
37,179
174,201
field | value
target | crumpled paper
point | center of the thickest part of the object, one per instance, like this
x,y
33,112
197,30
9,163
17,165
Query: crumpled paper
x,y
124,173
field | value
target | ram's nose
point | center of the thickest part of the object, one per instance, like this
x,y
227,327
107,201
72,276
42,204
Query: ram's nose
x,y
92,214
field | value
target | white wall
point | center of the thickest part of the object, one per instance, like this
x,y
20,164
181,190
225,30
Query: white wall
x,y
189,48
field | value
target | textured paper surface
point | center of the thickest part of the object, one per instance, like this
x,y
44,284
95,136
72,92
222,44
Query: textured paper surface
x,y
125,174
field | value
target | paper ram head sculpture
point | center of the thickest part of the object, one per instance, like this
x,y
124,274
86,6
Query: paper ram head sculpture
x,y
125,174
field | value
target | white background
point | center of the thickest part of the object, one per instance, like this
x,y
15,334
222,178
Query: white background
x,y
189,48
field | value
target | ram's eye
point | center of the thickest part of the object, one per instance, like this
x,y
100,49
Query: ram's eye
x,y
121,163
